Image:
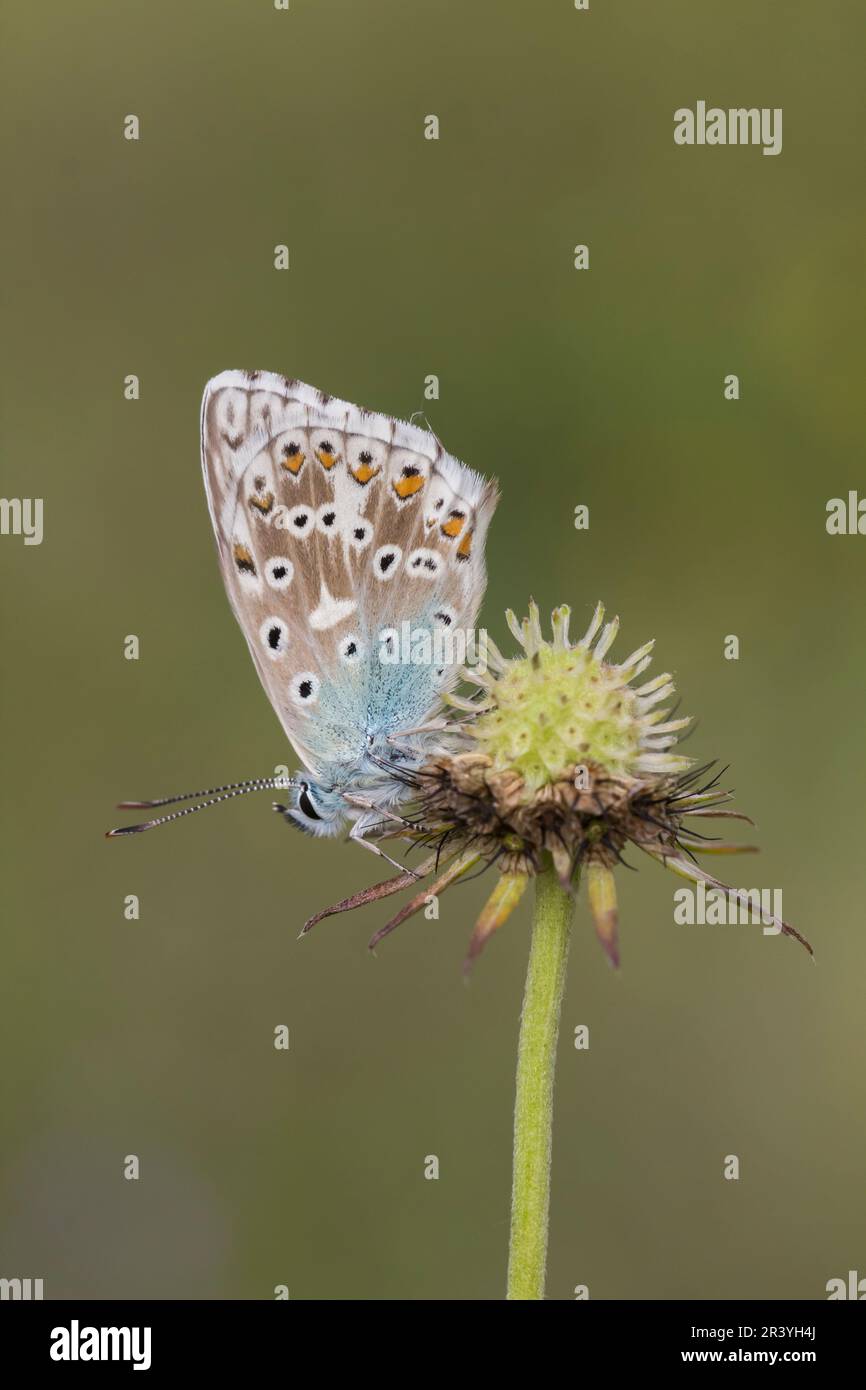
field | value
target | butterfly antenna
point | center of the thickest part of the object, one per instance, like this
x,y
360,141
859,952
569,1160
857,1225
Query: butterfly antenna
x,y
252,784
214,796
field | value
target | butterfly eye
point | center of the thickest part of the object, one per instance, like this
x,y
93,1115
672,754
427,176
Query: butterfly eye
x,y
305,803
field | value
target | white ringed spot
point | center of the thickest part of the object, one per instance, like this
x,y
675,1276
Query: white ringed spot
x,y
279,572
424,563
300,521
386,561
273,635
327,520
360,534
304,689
351,649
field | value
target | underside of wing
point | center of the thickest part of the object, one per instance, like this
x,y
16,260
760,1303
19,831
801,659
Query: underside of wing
x,y
335,526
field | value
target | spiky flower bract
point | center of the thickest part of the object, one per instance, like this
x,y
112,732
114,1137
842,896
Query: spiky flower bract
x,y
559,705
559,753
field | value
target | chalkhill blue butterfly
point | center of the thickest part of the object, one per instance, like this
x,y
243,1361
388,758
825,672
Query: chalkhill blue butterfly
x,y
340,532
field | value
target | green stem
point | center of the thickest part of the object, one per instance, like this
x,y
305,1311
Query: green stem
x,y
533,1107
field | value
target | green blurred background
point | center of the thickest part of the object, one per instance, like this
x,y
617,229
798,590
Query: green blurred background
x,y
410,257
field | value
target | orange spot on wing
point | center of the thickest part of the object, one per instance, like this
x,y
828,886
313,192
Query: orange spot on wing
x,y
408,485
454,525
263,504
243,559
464,549
293,463
364,472
325,459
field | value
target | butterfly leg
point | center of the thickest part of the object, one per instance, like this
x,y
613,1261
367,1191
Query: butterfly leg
x,y
381,813
367,822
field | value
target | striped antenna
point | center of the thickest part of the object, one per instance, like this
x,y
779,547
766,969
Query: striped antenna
x,y
214,796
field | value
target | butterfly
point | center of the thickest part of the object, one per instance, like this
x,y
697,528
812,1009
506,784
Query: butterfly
x,y
341,532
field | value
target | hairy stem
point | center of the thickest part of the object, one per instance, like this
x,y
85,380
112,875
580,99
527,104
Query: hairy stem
x,y
533,1107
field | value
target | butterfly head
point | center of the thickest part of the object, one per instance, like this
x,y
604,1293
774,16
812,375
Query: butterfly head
x,y
314,807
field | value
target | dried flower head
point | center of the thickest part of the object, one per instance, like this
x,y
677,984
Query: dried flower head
x,y
558,753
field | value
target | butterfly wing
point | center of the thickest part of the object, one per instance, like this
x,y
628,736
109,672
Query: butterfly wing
x,y
334,525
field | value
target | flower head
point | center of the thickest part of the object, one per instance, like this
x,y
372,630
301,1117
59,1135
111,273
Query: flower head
x,y
558,705
558,753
